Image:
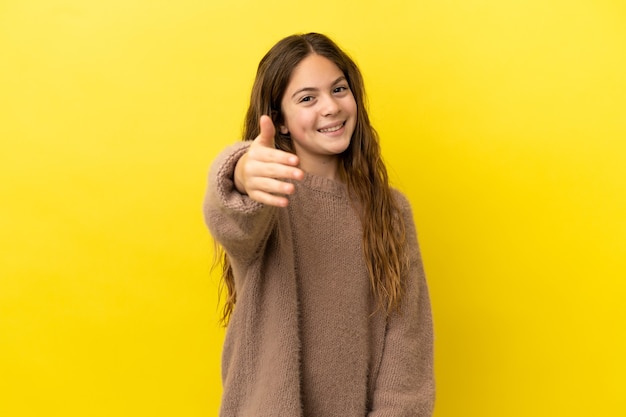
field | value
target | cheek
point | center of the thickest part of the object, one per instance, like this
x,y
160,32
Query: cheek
x,y
288,121
301,120
352,105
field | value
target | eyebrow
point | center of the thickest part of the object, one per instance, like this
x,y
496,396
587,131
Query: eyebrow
x,y
301,90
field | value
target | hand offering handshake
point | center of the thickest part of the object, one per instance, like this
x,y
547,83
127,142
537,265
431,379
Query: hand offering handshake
x,y
260,172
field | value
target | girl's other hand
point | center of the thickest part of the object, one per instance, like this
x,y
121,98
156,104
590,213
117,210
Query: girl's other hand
x,y
260,172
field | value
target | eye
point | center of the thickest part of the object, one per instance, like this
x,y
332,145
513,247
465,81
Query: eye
x,y
340,89
306,99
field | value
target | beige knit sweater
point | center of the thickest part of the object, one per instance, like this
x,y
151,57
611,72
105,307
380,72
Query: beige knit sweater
x,y
302,340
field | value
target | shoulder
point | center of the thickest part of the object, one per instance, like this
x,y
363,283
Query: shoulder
x,y
403,203
406,212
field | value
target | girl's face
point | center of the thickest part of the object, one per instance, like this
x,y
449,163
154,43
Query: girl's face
x,y
319,113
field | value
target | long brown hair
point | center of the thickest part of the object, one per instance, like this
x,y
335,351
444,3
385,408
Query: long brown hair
x,y
361,166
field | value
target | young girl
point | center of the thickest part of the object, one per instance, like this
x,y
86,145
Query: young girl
x,y
328,311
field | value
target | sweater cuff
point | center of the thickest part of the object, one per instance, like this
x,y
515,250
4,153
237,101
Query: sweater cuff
x,y
222,180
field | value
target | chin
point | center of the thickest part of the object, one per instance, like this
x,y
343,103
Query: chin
x,y
342,149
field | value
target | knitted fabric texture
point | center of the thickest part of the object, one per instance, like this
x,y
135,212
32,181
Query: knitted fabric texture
x,y
306,337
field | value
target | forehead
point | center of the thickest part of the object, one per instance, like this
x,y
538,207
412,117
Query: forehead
x,y
314,71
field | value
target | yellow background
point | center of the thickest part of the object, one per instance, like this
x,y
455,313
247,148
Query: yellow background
x,y
503,121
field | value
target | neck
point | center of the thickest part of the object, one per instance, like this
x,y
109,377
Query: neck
x,y
322,167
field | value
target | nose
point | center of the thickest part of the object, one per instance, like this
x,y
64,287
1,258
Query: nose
x,y
330,106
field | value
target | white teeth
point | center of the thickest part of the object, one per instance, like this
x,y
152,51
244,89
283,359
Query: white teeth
x,y
331,129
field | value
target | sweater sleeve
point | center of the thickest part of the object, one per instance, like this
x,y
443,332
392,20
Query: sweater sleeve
x,y
240,224
405,383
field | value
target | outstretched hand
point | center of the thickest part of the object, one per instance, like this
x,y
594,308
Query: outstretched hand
x,y
260,172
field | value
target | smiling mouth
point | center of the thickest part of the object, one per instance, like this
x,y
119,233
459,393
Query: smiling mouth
x,y
332,129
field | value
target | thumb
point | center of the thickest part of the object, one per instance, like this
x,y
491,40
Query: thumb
x,y
266,137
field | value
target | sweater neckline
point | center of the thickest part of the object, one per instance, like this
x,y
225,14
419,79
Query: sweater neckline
x,y
323,184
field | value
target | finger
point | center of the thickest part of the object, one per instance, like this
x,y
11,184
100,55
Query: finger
x,y
266,137
260,153
271,186
269,199
256,169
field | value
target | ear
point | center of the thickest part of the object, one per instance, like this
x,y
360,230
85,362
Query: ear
x,y
284,130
